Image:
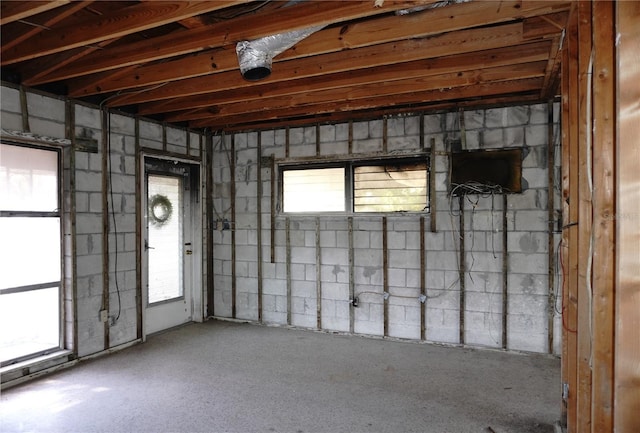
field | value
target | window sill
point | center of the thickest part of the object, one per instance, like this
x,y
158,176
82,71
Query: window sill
x,y
14,374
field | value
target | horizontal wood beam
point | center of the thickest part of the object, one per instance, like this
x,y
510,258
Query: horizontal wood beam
x,y
456,65
121,22
401,91
367,57
14,36
11,11
419,68
248,27
333,39
343,116
219,121
43,66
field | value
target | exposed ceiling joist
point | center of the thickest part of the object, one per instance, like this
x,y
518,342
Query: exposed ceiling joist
x,y
361,58
537,52
346,105
176,61
120,23
11,11
298,16
357,35
45,21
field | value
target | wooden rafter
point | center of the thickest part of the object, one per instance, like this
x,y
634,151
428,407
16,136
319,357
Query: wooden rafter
x,y
11,11
45,21
121,22
362,58
528,63
329,102
176,60
335,39
291,18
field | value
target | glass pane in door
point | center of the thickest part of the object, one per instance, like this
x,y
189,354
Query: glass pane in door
x,y
164,220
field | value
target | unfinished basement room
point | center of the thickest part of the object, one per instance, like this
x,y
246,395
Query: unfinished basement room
x,y
325,216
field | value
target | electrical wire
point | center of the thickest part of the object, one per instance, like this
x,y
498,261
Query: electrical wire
x,y
589,151
113,211
482,190
222,147
564,308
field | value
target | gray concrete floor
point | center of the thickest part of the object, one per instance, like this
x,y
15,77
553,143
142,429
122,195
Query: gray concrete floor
x,y
232,377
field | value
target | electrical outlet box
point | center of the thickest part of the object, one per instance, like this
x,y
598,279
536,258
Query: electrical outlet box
x,y
104,316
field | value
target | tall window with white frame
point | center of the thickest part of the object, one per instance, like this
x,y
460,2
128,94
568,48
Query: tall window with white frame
x,y
30,252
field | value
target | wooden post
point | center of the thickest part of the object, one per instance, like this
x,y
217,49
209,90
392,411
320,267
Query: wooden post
x,y
385,275
318,276
569,250
259,223
352,284
584,244
462,271
423,282
208,200
287,228
604,226
105,221
551,264
139,213
505,272
627,217
232,193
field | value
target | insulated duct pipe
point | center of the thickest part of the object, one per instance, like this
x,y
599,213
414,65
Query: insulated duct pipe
x,y
255,57
430,6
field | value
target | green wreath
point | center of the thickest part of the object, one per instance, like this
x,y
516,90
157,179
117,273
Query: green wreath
x,y
160,209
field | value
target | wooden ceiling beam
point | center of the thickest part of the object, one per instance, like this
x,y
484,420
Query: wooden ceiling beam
x,y
506,88
365,97
402,71
538,26
40,67
11,11
552,76
299,16
354,35
121,22
13,37
375,90
417,109
368,57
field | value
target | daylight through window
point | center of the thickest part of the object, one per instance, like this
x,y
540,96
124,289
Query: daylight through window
x,y
358,186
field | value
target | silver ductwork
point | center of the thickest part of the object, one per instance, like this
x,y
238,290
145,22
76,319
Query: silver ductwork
x,y
255,57
429,6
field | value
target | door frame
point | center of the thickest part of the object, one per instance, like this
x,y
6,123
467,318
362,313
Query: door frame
x,y
195,196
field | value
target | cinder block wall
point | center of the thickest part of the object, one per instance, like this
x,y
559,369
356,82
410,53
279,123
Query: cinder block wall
x,y
100,227
348,249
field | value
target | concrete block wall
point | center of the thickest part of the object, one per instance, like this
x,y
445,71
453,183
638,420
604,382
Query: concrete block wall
x,y
89,232
46,119
348,248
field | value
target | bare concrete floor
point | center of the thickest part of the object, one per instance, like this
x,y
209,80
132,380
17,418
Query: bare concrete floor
x,y
231,377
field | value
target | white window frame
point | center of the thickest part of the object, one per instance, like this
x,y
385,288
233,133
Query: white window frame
x,y
349,166
57,213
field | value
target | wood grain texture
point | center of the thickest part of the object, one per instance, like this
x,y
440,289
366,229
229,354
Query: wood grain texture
x,y
368,57
334,39
11,11
584,287
604,247
121,22
626,404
